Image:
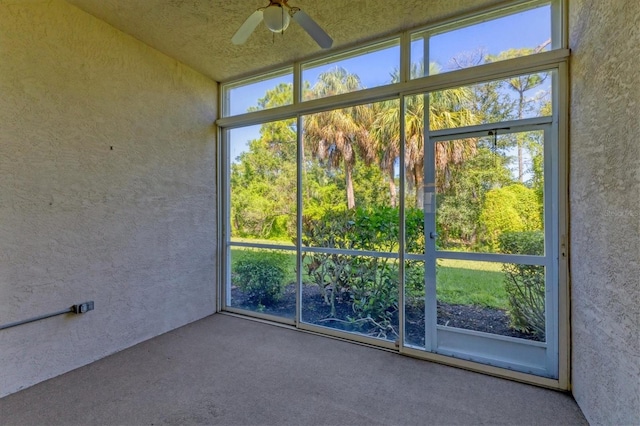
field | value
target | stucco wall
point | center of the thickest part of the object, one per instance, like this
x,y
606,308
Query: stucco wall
x,y
107,190
605,209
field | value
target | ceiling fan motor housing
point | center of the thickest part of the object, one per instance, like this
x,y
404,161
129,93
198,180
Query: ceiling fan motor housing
x,y
276,18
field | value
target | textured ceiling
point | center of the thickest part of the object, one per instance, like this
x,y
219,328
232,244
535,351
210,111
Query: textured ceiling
x,y
198,32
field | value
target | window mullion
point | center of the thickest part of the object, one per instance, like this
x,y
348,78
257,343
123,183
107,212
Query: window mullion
x,y
297,83
299,160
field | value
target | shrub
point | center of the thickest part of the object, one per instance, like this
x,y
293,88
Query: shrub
x,y
414,281
373,290
524,284
510,209
260,276
368,283
329,271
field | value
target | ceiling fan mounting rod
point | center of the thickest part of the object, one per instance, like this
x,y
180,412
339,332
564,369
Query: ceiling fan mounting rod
x,y
285,5
281,3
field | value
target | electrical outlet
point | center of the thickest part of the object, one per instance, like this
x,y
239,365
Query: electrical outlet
x,y
81,308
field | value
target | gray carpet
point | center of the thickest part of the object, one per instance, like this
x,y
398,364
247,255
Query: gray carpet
x,y
232,371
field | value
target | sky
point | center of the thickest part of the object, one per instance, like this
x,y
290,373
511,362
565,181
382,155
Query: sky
x,y
526,29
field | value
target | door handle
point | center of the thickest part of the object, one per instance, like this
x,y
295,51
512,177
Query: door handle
x,y
433,235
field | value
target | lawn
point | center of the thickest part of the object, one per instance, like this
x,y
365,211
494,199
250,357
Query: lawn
x,y
463,282
458,282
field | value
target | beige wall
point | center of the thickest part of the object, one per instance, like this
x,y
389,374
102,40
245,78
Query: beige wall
x,y
107,190
133,227
605,209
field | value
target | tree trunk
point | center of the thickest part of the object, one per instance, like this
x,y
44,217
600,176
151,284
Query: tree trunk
x,y
351,199
519,138
419,179
393,193
520,161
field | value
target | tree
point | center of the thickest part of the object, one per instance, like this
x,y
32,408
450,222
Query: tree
x,y
386,140
263,186
512,208
280,95
521,85
447,109
334,136
263,177
459,207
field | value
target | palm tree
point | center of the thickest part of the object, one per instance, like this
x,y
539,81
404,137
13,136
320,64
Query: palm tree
x,y
447,109
334,136
386,140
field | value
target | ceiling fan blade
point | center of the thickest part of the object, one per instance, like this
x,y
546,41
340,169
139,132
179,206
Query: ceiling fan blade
x,y
247,28
310,26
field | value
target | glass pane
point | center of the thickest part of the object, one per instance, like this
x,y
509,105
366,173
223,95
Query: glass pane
x,y
259,93
263,183
524,96
519,34
504,299
264,281
349,189
490,194
358,294
355,72
414,309
417,55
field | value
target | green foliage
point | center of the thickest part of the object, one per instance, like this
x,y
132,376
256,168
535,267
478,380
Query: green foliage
x,y
263,184
414,243
524,284
350,158
499,214
490,104
368,283
529,243
414,281
459,207
280,95
512,208
373,291
334,137
260,276
534,143
263,178
523,83
354,151
369,186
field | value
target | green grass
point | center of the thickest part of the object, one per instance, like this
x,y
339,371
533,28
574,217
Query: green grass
x,y
459,282
290,277
462,282
262,241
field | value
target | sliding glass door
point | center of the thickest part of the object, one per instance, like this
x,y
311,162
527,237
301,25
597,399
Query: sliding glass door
x,y
489,260
350,222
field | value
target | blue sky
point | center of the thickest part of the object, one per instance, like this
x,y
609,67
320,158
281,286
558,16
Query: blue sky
x,y
525,29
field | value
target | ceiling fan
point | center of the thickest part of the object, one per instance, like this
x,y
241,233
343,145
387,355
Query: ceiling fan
x,y
276,17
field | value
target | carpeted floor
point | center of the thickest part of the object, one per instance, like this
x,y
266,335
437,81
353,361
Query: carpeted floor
x,y
232,371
